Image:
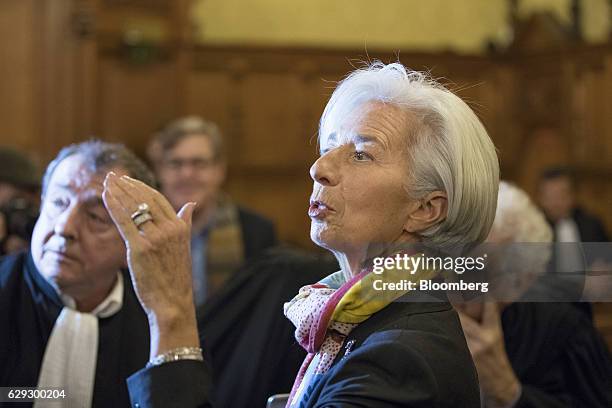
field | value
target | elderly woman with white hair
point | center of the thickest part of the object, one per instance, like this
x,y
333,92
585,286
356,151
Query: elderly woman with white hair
x,y
532,354
403,161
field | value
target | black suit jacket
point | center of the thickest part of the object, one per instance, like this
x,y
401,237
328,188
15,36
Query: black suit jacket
x,y
557,355
406,355
258,233
248,338
590,227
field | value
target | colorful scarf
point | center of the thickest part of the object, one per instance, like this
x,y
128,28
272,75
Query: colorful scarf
x,y
325,313
225,247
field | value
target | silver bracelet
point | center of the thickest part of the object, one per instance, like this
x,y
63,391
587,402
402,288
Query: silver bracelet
x,y
180,353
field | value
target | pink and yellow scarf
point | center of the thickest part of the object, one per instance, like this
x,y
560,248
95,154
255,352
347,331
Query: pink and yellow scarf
x,y
325,313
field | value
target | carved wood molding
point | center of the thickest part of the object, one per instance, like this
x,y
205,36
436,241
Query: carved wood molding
x,y
157,5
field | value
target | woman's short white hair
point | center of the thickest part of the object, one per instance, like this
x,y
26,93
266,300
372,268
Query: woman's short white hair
x,y
517,219
448,148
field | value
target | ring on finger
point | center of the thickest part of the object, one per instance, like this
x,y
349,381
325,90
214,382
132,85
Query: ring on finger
x,y
143,208
142,218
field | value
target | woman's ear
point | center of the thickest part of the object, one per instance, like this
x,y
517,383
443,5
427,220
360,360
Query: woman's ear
x,y
430,210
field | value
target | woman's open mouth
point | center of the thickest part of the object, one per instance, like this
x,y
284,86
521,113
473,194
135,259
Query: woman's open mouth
x,y
318,209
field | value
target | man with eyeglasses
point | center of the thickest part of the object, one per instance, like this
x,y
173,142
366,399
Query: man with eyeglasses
x,y
189,158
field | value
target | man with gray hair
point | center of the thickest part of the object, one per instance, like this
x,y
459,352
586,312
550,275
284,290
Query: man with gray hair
x,y
70,319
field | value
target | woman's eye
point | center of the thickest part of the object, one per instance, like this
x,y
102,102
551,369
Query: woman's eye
x,y
361,156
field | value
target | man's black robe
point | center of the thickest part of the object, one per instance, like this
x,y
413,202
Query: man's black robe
x,y
557,355
250,342
29,307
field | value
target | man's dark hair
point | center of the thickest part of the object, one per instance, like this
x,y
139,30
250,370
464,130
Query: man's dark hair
x,y
101,156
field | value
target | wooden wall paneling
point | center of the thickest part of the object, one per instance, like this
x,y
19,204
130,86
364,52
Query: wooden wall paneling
x,y
595,194
135,101
19,71
86,92
45,68
152,18
183,30
273,153
542,139
318,89
479,93
503,121
589,132
607,87
541,97
542,147
143,69
272,126
579,121
565,116
159,5
212,95
58,58
281,195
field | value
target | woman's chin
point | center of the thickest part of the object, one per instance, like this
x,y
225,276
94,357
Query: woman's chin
x,y
323,238
320,242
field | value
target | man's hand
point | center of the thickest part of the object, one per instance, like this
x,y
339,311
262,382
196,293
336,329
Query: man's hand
x,y
498,383
158,255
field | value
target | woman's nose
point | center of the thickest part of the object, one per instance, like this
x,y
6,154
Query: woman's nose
x,y
325,170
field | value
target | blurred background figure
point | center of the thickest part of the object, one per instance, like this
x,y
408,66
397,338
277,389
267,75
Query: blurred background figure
x,y
533,354
570,222
189,158
245,320
575,230
19,200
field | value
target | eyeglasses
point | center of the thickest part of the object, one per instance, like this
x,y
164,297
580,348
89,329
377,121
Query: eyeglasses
x,y
197,163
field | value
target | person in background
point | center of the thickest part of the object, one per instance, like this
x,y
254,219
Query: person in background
x,y
189,158
577,236
69,316
570,222
529,354
19,200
